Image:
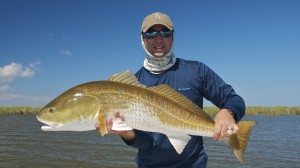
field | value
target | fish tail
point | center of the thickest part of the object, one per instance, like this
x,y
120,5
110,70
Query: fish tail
x,y
238,142
103,129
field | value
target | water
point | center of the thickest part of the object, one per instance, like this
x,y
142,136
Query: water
x,y
274,142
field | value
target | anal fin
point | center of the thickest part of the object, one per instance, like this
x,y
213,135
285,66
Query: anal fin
x,y
179,142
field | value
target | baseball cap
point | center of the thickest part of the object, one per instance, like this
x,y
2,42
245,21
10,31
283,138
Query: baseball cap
x,y
157,18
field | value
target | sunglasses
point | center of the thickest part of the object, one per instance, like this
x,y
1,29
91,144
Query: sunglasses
x,y
153,33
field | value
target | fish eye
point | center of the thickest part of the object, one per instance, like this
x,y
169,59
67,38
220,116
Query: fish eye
x,y
51,110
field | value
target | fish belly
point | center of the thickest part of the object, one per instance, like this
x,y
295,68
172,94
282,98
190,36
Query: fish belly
x,y
142,117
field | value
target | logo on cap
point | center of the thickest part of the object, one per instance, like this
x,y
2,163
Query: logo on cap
x,y
157,15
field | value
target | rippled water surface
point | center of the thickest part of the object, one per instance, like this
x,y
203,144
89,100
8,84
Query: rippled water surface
x,y
274,142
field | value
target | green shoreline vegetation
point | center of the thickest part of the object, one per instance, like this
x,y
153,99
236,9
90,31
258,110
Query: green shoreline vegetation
x,y
250,110
19,110
262,110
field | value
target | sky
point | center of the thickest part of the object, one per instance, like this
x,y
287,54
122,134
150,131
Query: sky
x,y
49,46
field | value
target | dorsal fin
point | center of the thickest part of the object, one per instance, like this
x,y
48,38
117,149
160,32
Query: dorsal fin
x,y
174,95
126,77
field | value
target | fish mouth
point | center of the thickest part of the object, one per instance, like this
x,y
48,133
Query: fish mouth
x,y
49,125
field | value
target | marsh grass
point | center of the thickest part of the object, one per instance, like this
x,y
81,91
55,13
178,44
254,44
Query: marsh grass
x,y
19,110
262,110
250,110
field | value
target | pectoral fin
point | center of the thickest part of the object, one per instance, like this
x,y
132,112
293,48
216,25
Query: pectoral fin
x,y
179,142
102,124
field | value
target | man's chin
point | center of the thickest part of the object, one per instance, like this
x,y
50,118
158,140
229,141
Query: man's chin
x,y
159,55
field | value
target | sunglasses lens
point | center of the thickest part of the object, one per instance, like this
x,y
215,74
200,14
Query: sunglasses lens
x,y
165,33
150,34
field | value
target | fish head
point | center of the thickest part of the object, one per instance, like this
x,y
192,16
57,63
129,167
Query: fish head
x,y
72,106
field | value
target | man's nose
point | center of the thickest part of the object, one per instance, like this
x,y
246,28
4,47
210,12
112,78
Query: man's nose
x,y
159,37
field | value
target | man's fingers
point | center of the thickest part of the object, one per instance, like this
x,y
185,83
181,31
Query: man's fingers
x,y
232,130
217,132
118,115
109,124
229,132
223,133
235,129
97,127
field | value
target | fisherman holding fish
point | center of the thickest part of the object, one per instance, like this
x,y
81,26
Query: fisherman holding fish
x,y
194,80
159,109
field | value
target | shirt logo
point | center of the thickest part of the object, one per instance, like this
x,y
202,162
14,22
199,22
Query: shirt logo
x,y
183,89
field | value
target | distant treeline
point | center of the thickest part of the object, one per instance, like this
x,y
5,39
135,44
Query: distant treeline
x,y
250,110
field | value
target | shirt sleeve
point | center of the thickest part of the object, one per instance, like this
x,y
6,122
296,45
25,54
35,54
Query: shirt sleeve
x,y
143,140
221,94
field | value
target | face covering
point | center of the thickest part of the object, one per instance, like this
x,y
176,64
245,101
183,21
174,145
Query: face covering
x,y
156,65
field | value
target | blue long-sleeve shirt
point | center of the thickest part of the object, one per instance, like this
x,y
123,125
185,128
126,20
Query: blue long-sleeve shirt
x,y
195,81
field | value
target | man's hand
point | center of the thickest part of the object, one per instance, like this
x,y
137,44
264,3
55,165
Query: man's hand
x,y
128,136
224,125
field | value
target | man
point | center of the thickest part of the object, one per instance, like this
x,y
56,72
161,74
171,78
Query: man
x,y
191,78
